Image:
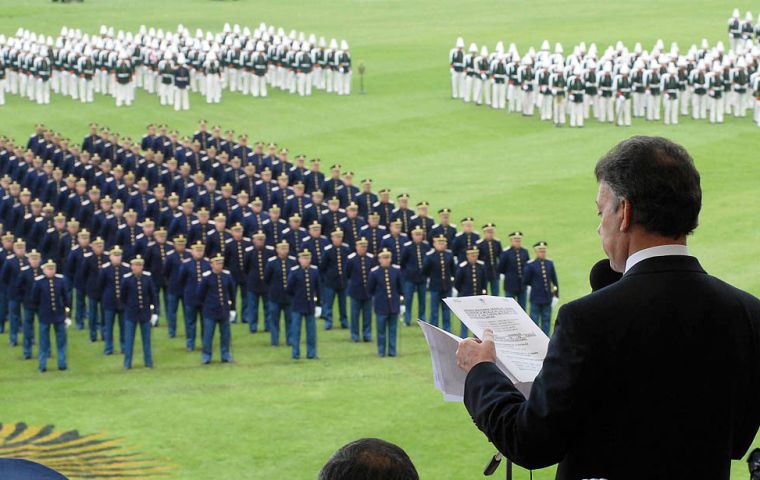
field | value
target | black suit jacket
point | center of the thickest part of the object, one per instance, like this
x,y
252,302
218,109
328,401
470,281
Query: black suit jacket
x,y
655,376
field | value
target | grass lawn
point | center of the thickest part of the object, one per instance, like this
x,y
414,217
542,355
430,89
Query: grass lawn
x,y
267,417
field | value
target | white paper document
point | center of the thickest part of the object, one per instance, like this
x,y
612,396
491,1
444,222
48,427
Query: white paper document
x,y
520,344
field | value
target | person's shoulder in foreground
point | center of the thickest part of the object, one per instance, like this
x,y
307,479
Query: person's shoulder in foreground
x,y
369,459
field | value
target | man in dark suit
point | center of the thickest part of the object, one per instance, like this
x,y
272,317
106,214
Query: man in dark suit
x,y
654,376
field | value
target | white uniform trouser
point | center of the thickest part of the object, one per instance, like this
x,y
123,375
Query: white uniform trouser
x,y
468,81
304,83
639,104
684,100
329,74
623,111
606,113
589,102
576,113
477,90
290,81
653,106
233,74
728,102
122,94
165,93
457,84
344,83
86,88
31,87
213,88
740,106
559,104
512,97
698,106
55,81
757,111
671,110
499,97
202,83
716,109
12,82
528,102
181,99
244,81
545,106
3,86
258,86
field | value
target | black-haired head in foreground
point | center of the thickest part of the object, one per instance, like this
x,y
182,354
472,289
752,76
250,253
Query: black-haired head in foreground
x,y
602,275
753,459
659,179
369,459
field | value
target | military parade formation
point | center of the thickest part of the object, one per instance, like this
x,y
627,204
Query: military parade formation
x,y
618,84
170,65
112,235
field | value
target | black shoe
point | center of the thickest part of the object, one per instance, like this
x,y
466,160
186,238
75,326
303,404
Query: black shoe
x,y
43,370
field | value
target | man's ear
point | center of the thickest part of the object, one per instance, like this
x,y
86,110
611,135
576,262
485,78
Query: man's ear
x,y
626,215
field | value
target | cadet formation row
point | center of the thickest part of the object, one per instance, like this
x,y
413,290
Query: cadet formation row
x,y
171,64
615,86
122,232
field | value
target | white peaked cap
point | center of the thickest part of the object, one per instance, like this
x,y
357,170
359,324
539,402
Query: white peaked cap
x,y
64,31
748,16
624,70
659,44
740,63
460,42
484,51
527,60
558,48
736,12
499,47
333,44
33,37
295,46
312,39
607,66
637,47
705,44
473,48
301,37
103,30
236,29
292,35
246,32
577,70
545,45
716,65
167,55
110,31
719,46
260,47
181,59
591,64
619,45
582,46
143,30
531,51
263,26
280,32
672,69
681,62
49,42
322,42
226,28
343,45
305,47
130,38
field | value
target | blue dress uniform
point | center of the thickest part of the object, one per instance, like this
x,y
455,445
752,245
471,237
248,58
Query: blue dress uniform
x,y
463,241
374,237
425,223
357,271
385,287
91,270
50,299
490,253
126,238
541,276
217,297
405,216
216,242
470,280
26,285
11,274
385,210
512,264
273,230
395,245
351,230
4,255
331,219
181,225
449,231
200,232
74,270
155,256
171,274
234,262
415,281
295,238
111,281
333,266
276,276
265,191
439,268
366,202
303,287
191,275
256,288
138,296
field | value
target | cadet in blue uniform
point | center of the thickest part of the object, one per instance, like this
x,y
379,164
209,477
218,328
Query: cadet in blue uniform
x,y
360,263
334,266
373,232
443,227
111,281
256,258
10,275
50,299
26,280
191,274
403,213
139,298
175,257
276,276
91,270
464,240
412,267
439,269
351,225
216,294
421,219
512,266
541,277
6,252
234,261
395,241
470,279
303,287
386,290
74,270
490,253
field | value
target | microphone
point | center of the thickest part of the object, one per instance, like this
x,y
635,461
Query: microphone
x,y
602,275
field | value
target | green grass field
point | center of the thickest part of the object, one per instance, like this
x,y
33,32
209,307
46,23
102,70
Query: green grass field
x,y
267,417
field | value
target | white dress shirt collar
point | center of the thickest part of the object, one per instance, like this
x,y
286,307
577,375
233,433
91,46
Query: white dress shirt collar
x,y
658,251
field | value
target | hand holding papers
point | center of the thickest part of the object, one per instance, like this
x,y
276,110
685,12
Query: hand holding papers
x,y
520,345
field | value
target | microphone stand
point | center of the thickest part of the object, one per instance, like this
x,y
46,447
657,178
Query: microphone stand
x,y
494,463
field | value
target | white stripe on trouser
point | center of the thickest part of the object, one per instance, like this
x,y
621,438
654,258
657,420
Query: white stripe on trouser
x,y
181,99
3,86
671,111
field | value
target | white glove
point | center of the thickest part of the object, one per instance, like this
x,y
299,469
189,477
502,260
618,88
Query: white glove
x,y
527,290
154,320
555,301
317,312
232,316
501,277
454,292
402,309
67,322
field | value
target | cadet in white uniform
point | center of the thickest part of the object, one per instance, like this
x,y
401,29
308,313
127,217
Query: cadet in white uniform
x,y
456,64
